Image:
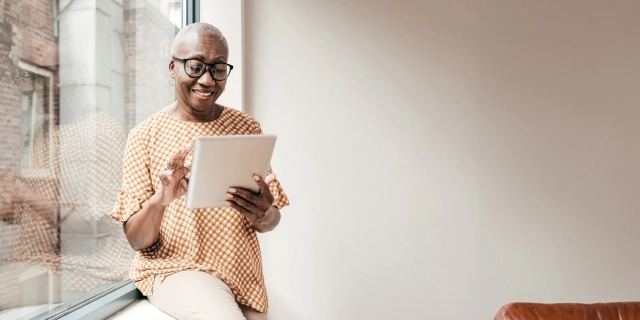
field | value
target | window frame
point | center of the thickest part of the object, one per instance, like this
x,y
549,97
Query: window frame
x,y
50,105
100,306
191,12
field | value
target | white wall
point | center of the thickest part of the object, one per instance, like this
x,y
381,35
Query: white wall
x,y
444,158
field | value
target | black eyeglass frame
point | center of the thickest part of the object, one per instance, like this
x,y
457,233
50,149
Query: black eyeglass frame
x,y
209,65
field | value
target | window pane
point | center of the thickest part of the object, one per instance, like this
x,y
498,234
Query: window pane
x,y
75,77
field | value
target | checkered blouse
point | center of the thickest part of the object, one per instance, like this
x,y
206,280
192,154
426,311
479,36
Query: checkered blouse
x,y
219,241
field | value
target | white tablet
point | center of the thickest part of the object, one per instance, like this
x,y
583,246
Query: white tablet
x,y
221,162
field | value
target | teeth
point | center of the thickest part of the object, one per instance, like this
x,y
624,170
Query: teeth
x,y
203,93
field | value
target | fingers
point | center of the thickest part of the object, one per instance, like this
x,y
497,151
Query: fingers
x,y
187,167
247,204
238,208
242,197
244,207
185,152
262,184
168,177
270,178
179,157
165,177
181,172
171,161
245,194
262,201
189,147
173,175
184,183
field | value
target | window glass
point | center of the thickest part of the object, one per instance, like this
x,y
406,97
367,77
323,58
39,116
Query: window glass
x,y
75,77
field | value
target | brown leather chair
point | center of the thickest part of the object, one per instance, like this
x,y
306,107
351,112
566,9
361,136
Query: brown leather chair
x,y
570,311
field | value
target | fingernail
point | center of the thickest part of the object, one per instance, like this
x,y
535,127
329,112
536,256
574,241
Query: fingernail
x,y
228,203
256,177
229,195
232,190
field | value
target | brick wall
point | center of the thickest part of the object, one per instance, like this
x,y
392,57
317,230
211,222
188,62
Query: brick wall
x,y
26,33
9,94
38,44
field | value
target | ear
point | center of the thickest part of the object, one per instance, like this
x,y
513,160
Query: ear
x,y
171,65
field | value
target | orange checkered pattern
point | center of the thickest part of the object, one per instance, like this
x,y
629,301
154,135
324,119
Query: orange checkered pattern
x,y
219,241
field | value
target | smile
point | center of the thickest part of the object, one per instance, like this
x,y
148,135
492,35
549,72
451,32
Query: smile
x,y
203,95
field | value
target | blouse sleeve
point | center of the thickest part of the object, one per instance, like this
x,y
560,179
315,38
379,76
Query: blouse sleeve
x,y
136,186
280,198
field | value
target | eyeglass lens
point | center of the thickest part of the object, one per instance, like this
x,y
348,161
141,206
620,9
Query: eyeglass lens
x,y
196,68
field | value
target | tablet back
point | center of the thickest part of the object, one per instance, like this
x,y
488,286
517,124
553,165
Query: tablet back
x,y
221,162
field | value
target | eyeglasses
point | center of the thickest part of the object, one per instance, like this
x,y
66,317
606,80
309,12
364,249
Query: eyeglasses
x,y
195,68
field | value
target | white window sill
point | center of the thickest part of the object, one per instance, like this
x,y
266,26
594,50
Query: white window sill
x,y
141,309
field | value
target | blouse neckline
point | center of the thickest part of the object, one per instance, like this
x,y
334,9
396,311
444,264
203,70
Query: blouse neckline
x,y
224,110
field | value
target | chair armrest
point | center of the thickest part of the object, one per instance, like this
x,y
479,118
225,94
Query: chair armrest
x,y
570,311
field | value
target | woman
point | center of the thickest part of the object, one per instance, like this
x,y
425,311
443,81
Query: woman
x,y
201,263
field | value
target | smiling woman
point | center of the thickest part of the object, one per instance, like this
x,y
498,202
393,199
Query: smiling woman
x,y
201,262
198,48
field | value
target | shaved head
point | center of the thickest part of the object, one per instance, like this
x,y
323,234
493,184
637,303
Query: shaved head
x,y
198,30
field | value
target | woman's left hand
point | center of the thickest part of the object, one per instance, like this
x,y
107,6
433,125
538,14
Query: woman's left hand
x,y
251,205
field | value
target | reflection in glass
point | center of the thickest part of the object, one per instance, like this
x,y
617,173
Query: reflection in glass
x,y
60,211
35,107
75,77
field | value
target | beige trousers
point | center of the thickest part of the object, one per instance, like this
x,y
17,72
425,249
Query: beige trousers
x,y
198,295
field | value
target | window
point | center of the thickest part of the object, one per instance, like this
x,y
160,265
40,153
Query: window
x,y
174,13
36,85
75,78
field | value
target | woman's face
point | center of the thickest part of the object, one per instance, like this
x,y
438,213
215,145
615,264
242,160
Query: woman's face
x,y
198,95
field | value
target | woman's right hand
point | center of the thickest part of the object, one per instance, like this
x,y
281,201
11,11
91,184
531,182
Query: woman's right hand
x,y
174,184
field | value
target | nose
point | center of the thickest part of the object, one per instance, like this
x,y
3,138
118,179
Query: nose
x,y
206,79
